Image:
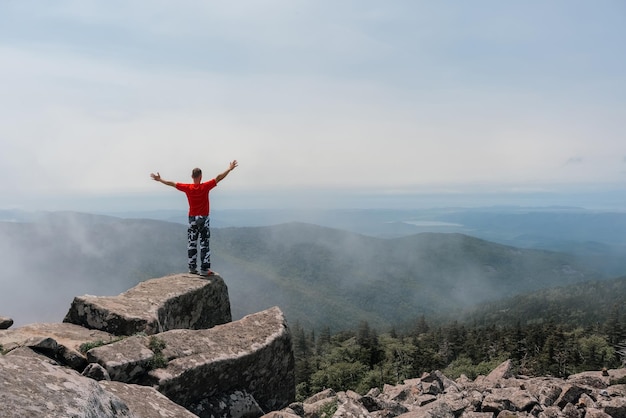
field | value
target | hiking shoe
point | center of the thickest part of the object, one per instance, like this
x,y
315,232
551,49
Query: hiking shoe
x,y
193,271
206,273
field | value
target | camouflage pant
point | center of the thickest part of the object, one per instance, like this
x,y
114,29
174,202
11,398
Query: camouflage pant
x,y
199,231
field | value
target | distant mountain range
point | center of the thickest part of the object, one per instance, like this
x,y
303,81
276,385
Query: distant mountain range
x,y
597,237
323,276
319,276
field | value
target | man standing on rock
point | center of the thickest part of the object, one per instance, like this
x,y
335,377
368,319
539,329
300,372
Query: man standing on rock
x,y
198,230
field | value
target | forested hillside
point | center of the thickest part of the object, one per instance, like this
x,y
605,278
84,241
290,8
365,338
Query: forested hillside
x,y
557,332
320,277
582,304
363,358
336,278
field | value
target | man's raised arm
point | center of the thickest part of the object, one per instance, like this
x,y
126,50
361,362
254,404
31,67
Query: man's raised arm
x,y
221,176
157,177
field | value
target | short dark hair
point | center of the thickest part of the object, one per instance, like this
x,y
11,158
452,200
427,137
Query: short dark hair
x,y
195,173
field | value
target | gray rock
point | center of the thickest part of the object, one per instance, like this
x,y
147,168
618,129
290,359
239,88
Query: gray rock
x,y
281,414
179,301
508,399
5,323
146,402
596,413
571,394
432,384
617,390
503,371
573,411
449,385
252,355
587,401
502,395
296,408
432,410
458,403
599,378
62,341
422,400
551,412
511,414
325,394
127,360
40,388
236,404
406,393
615,407
210,366
349,407
546,390
373,404
96,372
315,408
594,379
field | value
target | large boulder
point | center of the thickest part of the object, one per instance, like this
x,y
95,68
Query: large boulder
x,y
5,322
60,341
503,371
35,386
127,360
508,399
599,378
252,355
165,348
146,402
178,301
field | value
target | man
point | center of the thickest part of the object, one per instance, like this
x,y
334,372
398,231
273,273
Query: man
x,y
198,198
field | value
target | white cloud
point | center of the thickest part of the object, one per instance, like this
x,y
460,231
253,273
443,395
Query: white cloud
x,y
303,94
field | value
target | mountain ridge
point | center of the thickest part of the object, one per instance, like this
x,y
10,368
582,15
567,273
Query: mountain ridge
x,y
320,276
414,265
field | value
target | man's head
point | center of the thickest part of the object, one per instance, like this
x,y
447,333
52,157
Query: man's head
x,y
196,174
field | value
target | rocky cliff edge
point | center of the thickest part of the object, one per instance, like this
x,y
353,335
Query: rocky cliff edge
x,y
165,348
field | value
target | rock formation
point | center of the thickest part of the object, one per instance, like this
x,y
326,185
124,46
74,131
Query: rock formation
x,y
165,348
60,341
168,348
177,301
5,323
498,395
35,386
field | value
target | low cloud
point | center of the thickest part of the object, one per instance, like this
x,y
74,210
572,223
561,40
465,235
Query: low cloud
x,y
574,161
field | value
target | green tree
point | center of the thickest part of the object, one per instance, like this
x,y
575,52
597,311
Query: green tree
x,y
339,376
323,341
367,339
613,327
596,353
399,360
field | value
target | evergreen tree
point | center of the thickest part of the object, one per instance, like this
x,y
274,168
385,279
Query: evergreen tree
x,y
323,341
613,326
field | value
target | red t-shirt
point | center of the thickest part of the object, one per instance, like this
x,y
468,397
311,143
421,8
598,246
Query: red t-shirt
x,y
197,196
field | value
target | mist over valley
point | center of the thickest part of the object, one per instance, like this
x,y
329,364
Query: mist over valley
x,y
383,267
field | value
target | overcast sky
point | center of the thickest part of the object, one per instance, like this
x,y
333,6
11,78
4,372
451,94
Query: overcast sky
x,y
390,97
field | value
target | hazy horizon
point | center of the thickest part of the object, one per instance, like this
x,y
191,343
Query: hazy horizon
x,y
323,103
602,199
